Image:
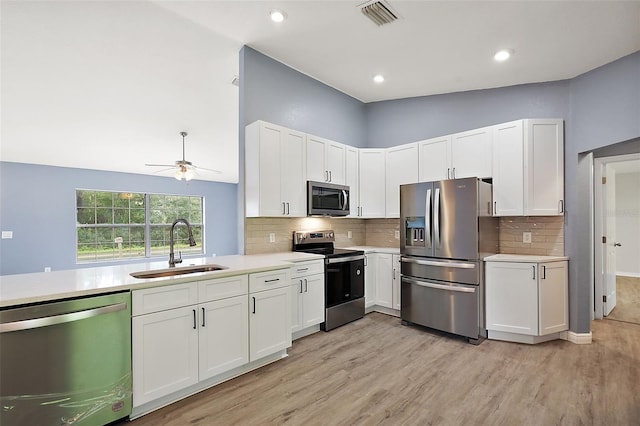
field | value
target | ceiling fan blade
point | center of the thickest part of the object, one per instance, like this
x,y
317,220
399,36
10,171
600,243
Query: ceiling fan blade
x,y
160,165
164,170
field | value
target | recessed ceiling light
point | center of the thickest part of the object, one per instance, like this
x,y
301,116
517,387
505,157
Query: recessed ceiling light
x,y
277,15
503,55
378,78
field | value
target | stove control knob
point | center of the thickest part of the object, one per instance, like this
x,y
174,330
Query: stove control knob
x,y
330,234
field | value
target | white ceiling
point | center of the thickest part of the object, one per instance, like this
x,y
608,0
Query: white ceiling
x,y
435,47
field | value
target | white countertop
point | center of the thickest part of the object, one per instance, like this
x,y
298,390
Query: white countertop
x,y
373,249
47,286
523,258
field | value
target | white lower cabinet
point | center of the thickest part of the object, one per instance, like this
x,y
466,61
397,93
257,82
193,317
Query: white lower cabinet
x,y
185,334
382,282
165,353
223,338
526,299
370,263
396,281
269,316
307,295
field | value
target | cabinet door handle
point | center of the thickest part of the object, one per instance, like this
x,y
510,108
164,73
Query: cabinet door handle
x,y
534,272
306,286
448,170
194,319
203,314
326,176
300,286
561,206
254,305
495,207
453,174
284,211
288,210
544,273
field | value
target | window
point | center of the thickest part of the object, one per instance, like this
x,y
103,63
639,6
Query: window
x,y
125,225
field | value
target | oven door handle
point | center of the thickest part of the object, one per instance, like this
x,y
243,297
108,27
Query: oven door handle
x,y
345,259
440,286
461,265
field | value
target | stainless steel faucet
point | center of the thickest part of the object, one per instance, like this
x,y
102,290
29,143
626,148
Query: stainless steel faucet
x,y
192,242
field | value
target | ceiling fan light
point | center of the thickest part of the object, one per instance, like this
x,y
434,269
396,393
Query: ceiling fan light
x,y
188,175
178,174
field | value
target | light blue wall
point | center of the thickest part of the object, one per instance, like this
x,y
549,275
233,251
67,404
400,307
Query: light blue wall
x,y
37,203
605,110
278,94
401,121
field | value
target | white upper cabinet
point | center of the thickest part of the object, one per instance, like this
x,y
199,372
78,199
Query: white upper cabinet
x,y
275,183
401,167
508,169
544,167
351,176
325,160
434,159
466,154
528,169
372,183
471,154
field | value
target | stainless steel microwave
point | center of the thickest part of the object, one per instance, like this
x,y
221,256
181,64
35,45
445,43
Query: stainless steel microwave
x,y
327,199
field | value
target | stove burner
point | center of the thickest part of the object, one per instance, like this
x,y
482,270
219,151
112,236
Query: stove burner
x,y
320,242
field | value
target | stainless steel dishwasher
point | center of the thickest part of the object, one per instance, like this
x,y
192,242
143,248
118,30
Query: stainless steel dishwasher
x,y
66,362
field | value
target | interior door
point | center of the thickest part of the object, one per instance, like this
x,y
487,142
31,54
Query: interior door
x,y
610,248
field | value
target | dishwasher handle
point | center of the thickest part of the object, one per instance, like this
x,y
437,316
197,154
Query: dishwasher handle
x,y
60,319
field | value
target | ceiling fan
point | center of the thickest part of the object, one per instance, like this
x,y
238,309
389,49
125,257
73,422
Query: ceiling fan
x,y
184,169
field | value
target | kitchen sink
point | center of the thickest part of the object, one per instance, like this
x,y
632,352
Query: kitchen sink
x,y
170,272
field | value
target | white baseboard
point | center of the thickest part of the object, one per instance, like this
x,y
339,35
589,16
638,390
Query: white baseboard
x,y
629,274
578,338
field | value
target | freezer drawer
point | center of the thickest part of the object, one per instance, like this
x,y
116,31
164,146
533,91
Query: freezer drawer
x,y
454,308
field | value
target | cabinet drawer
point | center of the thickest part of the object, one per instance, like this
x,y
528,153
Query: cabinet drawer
x,y
222,288
162,298
300,269
268,280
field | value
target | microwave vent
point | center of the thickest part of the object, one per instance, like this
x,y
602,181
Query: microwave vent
x,y
380,12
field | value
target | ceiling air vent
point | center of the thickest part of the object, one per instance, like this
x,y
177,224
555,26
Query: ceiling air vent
x,y
379,12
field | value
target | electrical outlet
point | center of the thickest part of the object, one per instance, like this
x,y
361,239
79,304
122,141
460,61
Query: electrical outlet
x,y
349,234
396,234
272,237
7,235
526,237
47,268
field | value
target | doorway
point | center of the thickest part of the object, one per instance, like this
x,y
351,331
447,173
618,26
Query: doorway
x,y
617,235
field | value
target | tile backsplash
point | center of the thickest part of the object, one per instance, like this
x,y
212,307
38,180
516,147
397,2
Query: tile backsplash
x,y
547,233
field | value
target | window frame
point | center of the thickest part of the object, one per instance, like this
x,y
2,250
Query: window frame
x,y
146,226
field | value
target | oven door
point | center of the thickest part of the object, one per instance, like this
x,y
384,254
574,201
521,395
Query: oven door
x,y
344,279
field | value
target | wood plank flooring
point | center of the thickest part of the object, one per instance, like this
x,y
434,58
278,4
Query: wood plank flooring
x,y
627,300
377,371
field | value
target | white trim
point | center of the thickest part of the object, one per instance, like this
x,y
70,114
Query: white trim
x,y
579,338
629,274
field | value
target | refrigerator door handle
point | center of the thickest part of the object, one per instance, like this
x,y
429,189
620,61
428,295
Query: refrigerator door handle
x,y
427,219
441,286
436,219
460,265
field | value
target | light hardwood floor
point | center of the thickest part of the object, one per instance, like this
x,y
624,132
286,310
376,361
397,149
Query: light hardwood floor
x,y
627,300
377,371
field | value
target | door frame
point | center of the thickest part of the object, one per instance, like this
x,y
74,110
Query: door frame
x,y
599,216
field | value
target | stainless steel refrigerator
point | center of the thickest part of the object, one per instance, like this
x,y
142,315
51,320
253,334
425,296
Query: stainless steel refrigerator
x,y
447,230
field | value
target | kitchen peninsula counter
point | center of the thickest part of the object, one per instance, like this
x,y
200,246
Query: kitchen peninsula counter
x,y
22,289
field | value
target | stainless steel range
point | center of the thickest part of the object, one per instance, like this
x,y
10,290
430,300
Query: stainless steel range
x,y
343,277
